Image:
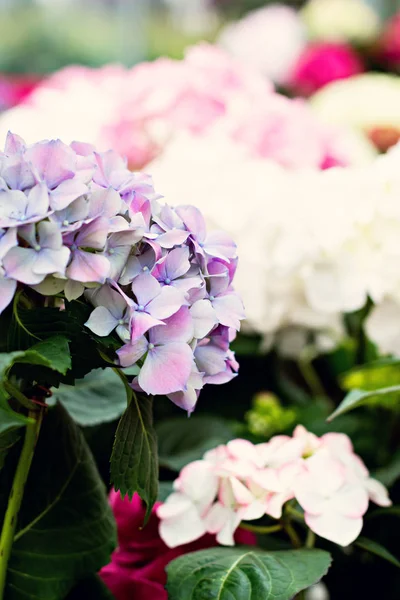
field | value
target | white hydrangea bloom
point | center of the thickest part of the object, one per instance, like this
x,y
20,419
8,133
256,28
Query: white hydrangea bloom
x,y
313,245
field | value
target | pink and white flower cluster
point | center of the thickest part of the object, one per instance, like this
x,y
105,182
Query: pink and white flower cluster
x,y
139,111
79,223
243,482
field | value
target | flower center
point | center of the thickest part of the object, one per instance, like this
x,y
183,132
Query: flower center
x,y
140,307
167,281
111,251
121,322
212,298
37,248
74,247
145,268
150,346
65,223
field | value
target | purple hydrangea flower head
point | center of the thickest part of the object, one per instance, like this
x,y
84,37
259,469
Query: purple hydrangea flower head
x,y
79,224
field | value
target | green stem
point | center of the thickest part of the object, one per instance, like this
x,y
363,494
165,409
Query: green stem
x,y
17,394
310,374
16,495
293,512
260,529
292,533
310,540
301,595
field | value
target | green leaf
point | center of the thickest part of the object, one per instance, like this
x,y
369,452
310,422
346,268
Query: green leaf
x,y
244,574
377,549
56,350
11,420
29,326
65,529
134,462
100,397
52,353
375,375
182,440
357,398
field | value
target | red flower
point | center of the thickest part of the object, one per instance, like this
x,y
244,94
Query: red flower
x,y
321,63
137,568
389,43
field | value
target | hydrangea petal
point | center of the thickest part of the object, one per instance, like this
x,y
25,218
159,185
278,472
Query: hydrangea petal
x,y
334,527
87,267
7,291
101,321
130,353
166,369
171,530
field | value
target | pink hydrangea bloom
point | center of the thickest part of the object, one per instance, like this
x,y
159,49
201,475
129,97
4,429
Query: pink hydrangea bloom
x,y
137,567
242,481
323,62
139,111
78,222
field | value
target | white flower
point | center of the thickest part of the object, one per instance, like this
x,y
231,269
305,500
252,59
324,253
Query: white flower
x,y
270,39
341,20
381,326
313,245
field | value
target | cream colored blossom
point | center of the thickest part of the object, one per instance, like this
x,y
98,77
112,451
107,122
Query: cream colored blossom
x,y
341,20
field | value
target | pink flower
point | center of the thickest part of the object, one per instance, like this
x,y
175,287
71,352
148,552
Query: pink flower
x,y
333,506
389,43
243,482
141,111
137,567
322,62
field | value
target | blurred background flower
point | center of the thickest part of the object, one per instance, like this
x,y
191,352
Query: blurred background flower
x,y
323,62
341,21
270,39
368,102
